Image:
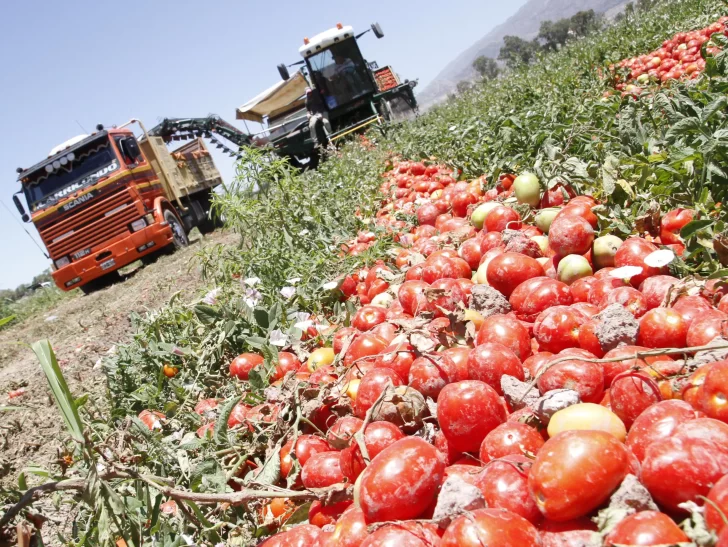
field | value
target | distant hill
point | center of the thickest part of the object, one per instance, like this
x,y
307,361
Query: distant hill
x,y
525,23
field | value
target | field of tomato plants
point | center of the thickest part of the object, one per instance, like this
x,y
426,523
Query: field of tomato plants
x,y
502,323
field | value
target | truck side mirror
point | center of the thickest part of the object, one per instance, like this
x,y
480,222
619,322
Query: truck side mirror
x,y
21,209
283,71
130,148
377,30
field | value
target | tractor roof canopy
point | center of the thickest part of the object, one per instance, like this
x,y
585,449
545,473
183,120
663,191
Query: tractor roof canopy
x,y
282,97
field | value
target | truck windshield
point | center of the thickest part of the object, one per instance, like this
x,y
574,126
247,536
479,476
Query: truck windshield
x,y
340,73
91,163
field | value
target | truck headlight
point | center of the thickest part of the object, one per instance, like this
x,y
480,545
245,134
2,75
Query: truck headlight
x,y
149,217
72,281
138,225
63,261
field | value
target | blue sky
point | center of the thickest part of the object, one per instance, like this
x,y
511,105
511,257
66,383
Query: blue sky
x,y
73,64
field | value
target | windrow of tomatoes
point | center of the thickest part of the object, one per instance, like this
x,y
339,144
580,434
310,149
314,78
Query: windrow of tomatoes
x,y
679,57
480,304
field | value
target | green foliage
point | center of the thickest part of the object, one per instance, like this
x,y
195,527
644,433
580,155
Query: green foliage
x,y
556,34
516,51
486,67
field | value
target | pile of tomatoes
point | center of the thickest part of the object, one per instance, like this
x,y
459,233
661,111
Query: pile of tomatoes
x,y
492,290
679,57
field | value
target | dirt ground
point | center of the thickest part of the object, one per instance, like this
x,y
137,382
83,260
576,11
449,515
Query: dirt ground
x,y
81,331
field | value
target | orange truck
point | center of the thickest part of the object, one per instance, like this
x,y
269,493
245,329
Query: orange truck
x,y
104,200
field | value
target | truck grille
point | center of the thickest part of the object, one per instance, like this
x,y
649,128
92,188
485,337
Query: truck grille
x,y
90,225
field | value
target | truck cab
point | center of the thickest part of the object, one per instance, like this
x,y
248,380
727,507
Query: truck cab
x,y
102,201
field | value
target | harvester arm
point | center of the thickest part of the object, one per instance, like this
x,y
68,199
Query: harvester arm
x,y
184,128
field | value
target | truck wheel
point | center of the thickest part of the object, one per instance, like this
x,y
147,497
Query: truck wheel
x,y
179,237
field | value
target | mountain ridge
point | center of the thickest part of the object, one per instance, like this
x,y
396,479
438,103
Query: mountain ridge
x,y
525,23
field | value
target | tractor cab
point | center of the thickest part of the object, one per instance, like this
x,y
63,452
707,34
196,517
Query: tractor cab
x,y
337,68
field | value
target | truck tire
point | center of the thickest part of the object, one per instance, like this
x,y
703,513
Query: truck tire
x,y
179,237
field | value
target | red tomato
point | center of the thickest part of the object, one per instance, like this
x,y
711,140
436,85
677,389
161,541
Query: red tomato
x,y
341,336
672,223
377,437
501,218
461,202
491,240
662,328
490,527
401,482
287,362
363,346
602,287
632,253
510,438
470,252
704,330
692,308
580,288
504,484
557,328
398,357
508,270
655,289
584,377
320,515
632,299
321,470
685,466
304,535
449,299
631,393
506,330
718,503
467,411
568,462
427,214
646,528
373,383
306,446
656,423
714,399
489,362
580,209
413,297
405,534
537,294
340,434
368,317
430,373
570,234
350,530
244,363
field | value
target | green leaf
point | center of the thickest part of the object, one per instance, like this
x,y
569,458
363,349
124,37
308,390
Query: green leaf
x,y
683,127
206,314
270,472
691,228
719,274
6,320
300,515
221,423
59,389
4,408
610,174
208,475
